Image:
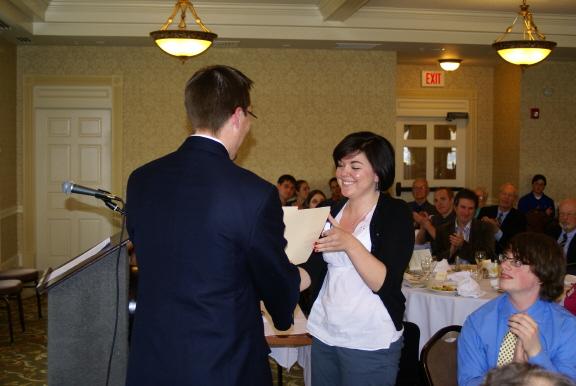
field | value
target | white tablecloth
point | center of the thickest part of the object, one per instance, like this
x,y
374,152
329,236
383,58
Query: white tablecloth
x,y
431,310
287,356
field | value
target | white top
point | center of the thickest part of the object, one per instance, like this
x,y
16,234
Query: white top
x,y
347,313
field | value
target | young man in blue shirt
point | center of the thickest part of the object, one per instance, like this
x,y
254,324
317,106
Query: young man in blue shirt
x,y
545,333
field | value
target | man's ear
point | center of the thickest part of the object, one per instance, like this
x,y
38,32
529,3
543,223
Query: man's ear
x,y
236,116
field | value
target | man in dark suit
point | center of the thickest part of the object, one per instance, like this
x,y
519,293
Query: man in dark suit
x,y
466,235
207,256
564,232
506,221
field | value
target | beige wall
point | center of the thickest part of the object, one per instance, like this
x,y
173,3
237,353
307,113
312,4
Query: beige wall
x,y
306,100
548,144
476,80
8,166
507,90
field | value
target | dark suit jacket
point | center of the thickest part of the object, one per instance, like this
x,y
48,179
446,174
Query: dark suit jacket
x,y
515,222
208,239
555,231
481,238
392,238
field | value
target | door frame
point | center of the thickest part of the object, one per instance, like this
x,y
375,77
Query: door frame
x,y
29,147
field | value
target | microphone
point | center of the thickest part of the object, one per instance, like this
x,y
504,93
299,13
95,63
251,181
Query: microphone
x,y
69,187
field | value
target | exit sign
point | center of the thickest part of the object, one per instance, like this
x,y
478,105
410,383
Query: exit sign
x,y
433,78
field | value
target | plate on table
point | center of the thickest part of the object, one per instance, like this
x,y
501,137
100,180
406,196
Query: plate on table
x,y
448,288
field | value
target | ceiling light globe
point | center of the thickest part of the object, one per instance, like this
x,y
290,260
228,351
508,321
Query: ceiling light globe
x,y
450,64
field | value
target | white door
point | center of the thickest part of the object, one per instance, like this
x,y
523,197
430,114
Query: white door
x,y
71,144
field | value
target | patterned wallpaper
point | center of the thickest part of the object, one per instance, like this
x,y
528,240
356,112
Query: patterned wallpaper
x,y
548,144
8,183
306,100
507,90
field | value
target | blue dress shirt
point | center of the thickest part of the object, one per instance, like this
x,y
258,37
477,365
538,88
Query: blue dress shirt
x,y
483,331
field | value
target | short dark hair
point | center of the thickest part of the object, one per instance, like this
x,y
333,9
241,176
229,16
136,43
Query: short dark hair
x,y
448,190
286,177
521,374
332,179
468,195
378,151
212,95
538,177
312,193
299,184
546,260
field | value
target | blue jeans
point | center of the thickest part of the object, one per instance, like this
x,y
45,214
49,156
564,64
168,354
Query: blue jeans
x,y
338,366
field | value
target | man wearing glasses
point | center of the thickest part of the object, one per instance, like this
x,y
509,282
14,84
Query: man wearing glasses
x,y
525,324
564,232
209,240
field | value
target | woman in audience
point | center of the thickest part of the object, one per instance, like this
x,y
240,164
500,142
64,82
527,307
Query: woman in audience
x,y
356,270
315,198
302,190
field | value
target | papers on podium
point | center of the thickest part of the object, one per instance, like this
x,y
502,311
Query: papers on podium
x,y
303,227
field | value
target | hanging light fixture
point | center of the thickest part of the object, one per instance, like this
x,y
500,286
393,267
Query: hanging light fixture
x,y
183,43
533,48
450,64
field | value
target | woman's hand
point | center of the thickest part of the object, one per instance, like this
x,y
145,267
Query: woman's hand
x,y
336,239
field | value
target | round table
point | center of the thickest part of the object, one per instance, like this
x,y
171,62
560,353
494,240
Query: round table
x,y
433,310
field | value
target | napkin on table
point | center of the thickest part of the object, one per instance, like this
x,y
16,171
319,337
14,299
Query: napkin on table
x,y
442,266
466,286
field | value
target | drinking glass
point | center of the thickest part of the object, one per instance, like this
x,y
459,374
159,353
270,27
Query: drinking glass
x,y
480,257
426,264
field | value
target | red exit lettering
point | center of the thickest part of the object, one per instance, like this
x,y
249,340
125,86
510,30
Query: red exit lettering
x,y
432,79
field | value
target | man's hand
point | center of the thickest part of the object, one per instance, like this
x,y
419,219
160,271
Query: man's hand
x,y
456,240
526,329
493,222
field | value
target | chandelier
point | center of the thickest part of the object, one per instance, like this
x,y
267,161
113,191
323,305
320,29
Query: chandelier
x,y
183,43
532,49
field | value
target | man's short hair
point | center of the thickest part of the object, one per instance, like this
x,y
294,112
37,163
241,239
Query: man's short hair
x,y
286,177
449,191
546,260
378,151
468,195
521,374
212,95
538,177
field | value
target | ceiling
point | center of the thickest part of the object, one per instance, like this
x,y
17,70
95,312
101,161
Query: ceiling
x,y
420,31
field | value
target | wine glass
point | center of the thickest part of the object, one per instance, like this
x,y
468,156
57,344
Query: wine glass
x,y
426,264
480,256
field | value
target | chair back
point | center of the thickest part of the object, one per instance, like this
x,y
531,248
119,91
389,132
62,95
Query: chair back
x,y
408,369
439,357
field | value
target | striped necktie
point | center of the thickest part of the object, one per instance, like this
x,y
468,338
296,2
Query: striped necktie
x,y
563,239
507,349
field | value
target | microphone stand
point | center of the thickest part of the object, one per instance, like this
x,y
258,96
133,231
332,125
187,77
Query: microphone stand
x,y
114,206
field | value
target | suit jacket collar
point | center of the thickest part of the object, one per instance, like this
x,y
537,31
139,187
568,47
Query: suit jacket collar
x,y
195,143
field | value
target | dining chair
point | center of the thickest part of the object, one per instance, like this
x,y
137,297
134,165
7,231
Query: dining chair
x,y
12,289
408,369
438,357
29,278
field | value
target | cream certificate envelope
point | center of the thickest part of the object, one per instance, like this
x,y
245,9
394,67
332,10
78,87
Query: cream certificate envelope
x,y
303,227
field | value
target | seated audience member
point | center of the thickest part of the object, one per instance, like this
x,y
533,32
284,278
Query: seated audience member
x,y
525,374
536,206
286,187
336,193
482,194
504,218
444,215
420,206
564,232
525,324
302,190
466,235
570,299
314,199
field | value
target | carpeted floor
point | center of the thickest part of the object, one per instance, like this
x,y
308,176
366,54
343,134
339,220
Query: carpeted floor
x,y
24,362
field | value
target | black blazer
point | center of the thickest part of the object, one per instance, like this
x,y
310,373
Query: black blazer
x,y
208,239
481,238
515,222
392,237
555,231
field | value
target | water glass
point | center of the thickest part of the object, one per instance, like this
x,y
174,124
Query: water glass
x,y
480,257
426,264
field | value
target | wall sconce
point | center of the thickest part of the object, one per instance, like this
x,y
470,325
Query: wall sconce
x,y
532,49
183,43
450,64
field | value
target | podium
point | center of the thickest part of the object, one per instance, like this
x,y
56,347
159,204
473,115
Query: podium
x,y
88,317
